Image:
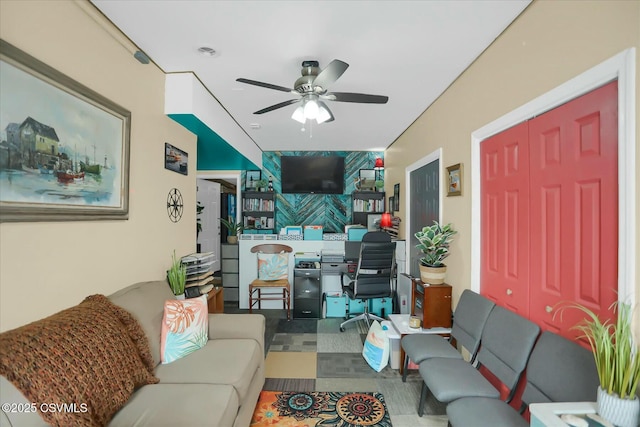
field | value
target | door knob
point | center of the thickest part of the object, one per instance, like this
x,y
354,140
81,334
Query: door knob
x,y
548,309
509,291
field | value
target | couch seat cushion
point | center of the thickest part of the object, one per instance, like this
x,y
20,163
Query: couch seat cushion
x,y
185,405
222,361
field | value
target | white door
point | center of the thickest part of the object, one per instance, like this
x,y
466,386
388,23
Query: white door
x,y
208,194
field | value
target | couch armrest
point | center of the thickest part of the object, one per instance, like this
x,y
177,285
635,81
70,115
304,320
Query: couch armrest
x,y
233,326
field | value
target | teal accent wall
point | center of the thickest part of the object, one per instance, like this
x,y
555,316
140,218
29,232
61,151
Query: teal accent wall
x,y
214,153
332,211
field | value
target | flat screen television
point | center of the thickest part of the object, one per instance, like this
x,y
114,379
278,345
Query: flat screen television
x,y
312,174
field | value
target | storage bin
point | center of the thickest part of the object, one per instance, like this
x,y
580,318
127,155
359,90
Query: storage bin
x,y
355,306
312,232
336,305
381,306
394,344
356,233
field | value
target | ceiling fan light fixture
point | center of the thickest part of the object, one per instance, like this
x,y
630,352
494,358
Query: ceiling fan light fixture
x,y
323,114
298,115
311,109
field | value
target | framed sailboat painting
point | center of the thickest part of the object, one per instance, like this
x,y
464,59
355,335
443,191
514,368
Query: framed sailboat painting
x,y
64,149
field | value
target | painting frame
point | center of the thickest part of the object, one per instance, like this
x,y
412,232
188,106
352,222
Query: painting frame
x,y
21,205
175,159
454,180
367,179
396,197
251,179
392,205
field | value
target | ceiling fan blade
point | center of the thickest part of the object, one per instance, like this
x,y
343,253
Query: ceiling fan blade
x,y
276,106
356,97
330,74
267,85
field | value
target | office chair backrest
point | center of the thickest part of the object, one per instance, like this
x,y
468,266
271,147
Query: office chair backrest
x,y
469,319
560,370
271,248
375,266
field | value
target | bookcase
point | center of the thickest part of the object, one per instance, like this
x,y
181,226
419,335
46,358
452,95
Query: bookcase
x,y
364,203
258,211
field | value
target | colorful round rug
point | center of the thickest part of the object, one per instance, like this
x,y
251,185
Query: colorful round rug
x,y
319,408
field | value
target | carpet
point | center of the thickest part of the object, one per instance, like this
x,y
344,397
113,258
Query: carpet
x,y
320,408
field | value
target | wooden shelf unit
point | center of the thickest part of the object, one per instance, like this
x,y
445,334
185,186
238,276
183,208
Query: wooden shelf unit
x,y
259,211
431,303
365,203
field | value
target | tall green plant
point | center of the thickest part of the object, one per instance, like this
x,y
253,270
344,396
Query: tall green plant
x,y
434,243
616,354
177,275
233,227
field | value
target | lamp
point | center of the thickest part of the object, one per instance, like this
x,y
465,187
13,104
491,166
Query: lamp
x,y
385,220
298,115
379,165
312,108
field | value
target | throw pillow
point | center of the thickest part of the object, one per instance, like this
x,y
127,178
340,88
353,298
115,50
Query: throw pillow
x,y
185,328
273,266
93,355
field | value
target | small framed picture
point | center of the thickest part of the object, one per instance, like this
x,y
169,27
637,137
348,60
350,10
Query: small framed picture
x,y
392,206
396,197
175,159
251,180
367,179
454,180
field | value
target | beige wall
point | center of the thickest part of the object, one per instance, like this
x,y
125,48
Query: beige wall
x,y
550,43
45,267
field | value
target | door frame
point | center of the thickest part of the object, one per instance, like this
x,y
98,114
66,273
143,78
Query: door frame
x,y
431,157
227,175
623,68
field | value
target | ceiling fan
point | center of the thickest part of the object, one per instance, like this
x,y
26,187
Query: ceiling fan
x,y
311,89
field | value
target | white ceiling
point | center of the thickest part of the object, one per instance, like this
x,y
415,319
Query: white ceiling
x,y
410,51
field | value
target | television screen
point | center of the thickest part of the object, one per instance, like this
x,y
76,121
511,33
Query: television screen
x,y
312,174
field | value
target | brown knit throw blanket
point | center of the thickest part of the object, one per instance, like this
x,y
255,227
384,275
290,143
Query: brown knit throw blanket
x,y
95,353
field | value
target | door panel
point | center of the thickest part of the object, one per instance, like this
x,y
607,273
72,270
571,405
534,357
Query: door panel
x,y
504,162
208,194
425,206
574,208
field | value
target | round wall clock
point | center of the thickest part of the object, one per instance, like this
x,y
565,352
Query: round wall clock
x,y
174,205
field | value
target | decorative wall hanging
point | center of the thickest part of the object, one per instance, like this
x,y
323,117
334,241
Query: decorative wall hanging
x,y
252,180
454,180
175,159
396,197
67,147
175,205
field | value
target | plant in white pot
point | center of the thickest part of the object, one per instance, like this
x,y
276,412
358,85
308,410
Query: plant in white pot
x,y
233,228
617,357
177,276
434,241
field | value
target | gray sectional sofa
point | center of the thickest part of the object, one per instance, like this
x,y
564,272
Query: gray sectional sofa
x,y
217,385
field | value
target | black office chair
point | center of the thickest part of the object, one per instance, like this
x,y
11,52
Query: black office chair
x,y
374,275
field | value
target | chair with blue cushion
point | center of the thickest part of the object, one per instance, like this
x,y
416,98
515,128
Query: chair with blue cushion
x,y
506,343
469,319
273,274
374,275
559,370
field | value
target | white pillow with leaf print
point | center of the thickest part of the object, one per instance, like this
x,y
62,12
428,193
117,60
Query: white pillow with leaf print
x,y
185,328
273,266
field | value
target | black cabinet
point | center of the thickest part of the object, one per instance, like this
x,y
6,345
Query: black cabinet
x,y
306,293
258,211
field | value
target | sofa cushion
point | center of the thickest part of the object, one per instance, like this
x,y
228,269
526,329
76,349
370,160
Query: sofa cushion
x,y
224,361
185,328
185,405
94,354
145,300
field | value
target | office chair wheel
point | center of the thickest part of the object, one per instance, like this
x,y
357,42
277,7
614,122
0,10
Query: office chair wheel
x,y
341,329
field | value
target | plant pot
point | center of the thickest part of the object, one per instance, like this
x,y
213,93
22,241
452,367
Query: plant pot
x,y
620,412
433,275
232,240
181,296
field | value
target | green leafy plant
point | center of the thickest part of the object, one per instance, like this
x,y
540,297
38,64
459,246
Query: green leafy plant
x,y
177,275
434,243
261,183
379,184
234,228
616,354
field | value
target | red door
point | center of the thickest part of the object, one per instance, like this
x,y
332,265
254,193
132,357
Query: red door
x,y
574,208
504,160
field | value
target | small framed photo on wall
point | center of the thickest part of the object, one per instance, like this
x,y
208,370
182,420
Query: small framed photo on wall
x,y
252,179
392,206
396,197
454,180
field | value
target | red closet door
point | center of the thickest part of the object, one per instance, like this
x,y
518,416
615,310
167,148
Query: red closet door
x,y
505,218
574,208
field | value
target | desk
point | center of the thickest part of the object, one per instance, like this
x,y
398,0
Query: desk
x,y
215,300
401,323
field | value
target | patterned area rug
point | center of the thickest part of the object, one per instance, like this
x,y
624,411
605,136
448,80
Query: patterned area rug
x,y
319,408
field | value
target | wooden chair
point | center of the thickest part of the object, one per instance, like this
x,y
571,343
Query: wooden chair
x,y
256,295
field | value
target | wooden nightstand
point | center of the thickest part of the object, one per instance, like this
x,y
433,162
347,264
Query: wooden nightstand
x,y
215,300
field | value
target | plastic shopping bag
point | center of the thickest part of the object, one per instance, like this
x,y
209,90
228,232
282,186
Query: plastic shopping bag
x,y
376,347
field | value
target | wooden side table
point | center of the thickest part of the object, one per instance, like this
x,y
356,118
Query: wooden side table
x,y
215,300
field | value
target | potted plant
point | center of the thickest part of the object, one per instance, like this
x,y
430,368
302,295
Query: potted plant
x,y
261,184
434,243
379,185
177,277
617,358
234,228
